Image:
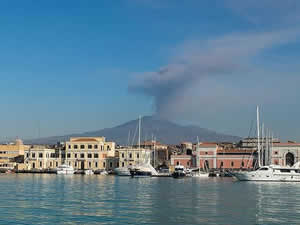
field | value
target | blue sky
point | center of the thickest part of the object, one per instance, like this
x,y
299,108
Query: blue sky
x,y
74,66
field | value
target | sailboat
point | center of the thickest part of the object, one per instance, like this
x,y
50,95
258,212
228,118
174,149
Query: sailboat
x,y
269,172
201,174
144,167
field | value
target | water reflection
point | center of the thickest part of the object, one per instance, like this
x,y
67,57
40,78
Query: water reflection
x,y
49,199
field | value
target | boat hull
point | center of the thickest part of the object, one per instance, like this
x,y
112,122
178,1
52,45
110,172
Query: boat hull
x,y
273,177
65,172
178,175
122,171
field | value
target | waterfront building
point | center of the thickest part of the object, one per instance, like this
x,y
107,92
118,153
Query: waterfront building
x,y
91,153
11,154
215,156
133,156
285,154
40,157
183,160
160,152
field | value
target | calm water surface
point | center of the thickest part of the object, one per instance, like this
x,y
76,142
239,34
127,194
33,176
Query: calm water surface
x,y
76,199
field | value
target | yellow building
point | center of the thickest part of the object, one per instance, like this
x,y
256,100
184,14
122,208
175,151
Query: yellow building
x,y
11,154
133,156
40,157
90,153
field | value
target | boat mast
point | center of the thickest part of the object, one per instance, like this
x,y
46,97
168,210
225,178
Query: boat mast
x,y
258,136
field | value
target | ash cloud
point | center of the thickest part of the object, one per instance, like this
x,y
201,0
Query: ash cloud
x,y
175,85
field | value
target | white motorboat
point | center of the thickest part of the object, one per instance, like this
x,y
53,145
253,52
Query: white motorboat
x,y
122,171
271,173
65,169
104,172
88,172
179,172
200,174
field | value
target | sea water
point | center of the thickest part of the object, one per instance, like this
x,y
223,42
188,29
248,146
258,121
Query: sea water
x,y
95,199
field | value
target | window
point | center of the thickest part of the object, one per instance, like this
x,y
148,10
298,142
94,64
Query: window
x,y
75,164
101,147
33,165
75,155
69,163
69,155
40,155
137,155
206,153
95,146
103,164
275,153
96,155
96,164
123,155
81,146
33,155
56,164
108,148
90,164
123,164
27,155
285,170
70,147
41,164
243,164
75,146
222,164
110,164
89,155
90,146
232,163
188,163
177,163
82,155
50,164
130,155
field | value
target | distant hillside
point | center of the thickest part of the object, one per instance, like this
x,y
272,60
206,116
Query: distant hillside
x,y
165,131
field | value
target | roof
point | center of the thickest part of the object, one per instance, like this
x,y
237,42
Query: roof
x,y
84,140
234,150
286,144
207,144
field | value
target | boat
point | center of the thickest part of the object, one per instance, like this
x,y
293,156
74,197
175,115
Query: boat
x,y
139,173
268,172
122,171
200,174
88,172
143,167
65,169
271,173
104,172
179,172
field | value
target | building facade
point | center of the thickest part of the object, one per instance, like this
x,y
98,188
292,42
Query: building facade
x,y
215,156
134,156
41,157
90,153
285,154
12,154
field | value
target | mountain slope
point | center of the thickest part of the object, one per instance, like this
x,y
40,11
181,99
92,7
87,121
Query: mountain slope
x,y
165,131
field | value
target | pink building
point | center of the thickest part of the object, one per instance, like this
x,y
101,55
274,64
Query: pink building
x,y
213,156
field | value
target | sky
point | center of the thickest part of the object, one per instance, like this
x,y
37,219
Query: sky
x,y
70,66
